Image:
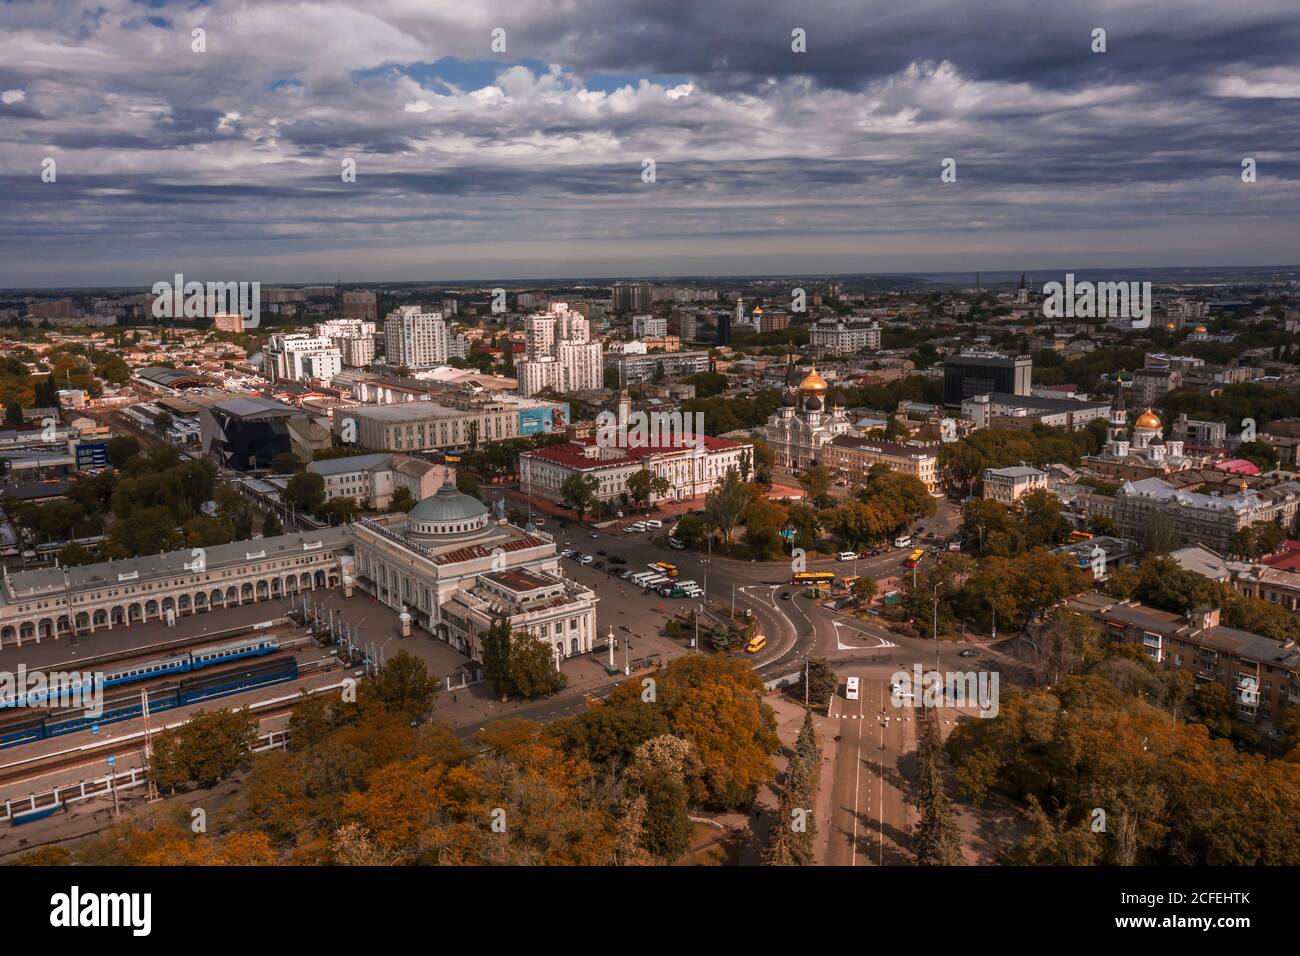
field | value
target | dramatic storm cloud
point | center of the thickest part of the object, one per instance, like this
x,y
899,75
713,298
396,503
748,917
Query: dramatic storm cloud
x,y
472,163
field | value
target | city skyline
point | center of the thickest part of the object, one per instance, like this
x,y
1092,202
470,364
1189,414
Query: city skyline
x,y
472,164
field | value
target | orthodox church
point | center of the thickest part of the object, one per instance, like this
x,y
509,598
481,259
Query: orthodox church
x,y
798,429
1147,454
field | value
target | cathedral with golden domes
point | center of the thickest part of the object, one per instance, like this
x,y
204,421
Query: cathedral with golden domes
x,y
1147,454
806,421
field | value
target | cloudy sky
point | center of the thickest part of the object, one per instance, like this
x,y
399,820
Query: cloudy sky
x,y
226,164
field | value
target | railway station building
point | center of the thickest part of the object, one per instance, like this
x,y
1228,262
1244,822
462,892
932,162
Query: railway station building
x,y
456,569
57,602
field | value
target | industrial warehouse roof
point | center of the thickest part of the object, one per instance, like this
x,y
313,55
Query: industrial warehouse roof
x,y
170,377
407,412
250,407
346,466
25,585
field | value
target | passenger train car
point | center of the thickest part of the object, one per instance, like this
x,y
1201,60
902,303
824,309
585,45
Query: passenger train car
x,y
19,727
147,670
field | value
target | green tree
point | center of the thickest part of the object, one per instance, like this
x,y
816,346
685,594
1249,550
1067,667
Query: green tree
x,y
579,492
402,501
532,666
465,484
207,748
405,686
121,449
306,491
724,505
816,481
284,463
644,484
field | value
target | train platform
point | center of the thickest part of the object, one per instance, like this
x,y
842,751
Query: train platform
x,y
311,660
51,651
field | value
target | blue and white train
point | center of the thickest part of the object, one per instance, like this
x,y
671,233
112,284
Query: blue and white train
x,y
145,670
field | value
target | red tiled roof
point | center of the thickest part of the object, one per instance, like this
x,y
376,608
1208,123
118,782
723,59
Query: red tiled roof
x,y
483,551
1286,558
563,455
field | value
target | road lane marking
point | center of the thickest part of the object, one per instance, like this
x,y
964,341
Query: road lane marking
x,y
857,786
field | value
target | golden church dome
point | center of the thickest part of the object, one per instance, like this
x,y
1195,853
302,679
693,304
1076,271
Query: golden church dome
x,y
1200,330
814,384
1149,419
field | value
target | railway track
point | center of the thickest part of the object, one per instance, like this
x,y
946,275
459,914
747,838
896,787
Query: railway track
x,y
133,743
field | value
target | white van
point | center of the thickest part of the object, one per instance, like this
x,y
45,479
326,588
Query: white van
x,y
633,528
851,689
653,523
848,556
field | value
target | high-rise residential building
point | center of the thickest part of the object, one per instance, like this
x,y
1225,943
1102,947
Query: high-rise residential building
x,y
839,337
415,339
530,300
559,353
634,369
298,357
357,352
643,325
354,338
362,306
632,296
344,328
979,373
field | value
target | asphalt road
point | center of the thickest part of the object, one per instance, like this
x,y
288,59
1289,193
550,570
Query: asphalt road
x,y
870,817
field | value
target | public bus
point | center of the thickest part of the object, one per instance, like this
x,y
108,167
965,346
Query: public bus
x,y
821,579
914,558
847,581
666,568
1080,536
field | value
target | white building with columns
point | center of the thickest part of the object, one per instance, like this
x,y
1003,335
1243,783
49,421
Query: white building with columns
x,y
61,602
456,569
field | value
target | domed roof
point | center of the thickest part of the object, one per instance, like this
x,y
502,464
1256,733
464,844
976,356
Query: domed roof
x,y
758,310
814,384
1148,419
1200,330
813,404
1170,325
788,400
448,504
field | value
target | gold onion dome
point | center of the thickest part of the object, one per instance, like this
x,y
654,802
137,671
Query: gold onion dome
x,y
1148,419
1200,330
814,384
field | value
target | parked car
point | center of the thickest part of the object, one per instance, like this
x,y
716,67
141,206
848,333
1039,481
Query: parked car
x,y
602,553
617,559
756,644
586,559
969,652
